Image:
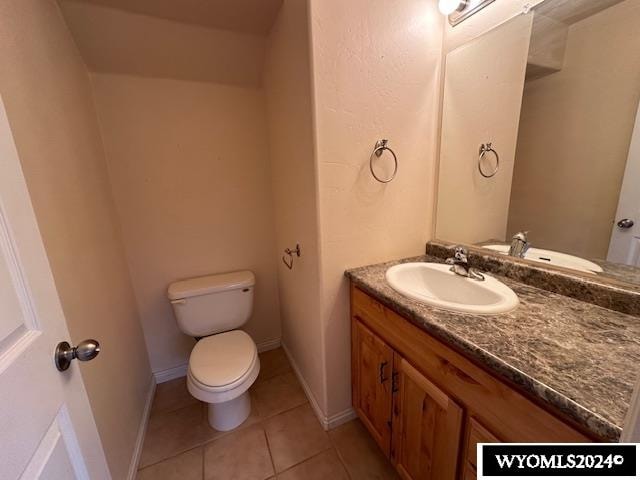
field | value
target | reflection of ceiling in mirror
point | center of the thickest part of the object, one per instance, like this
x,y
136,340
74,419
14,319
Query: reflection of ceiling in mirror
x,y
572,11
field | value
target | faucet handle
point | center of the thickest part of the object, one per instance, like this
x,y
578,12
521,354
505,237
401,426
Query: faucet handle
x,y
460,254
522,236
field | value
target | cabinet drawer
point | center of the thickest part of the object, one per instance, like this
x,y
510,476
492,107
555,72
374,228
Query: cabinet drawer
x,y
477,434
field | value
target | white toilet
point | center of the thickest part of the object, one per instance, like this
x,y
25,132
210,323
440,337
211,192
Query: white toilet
x,y
224,363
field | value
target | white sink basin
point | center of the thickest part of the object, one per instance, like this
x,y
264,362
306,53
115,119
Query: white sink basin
x,y
435,285
549,257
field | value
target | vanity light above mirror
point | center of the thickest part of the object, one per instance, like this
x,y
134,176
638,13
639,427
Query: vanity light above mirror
x,y
459,10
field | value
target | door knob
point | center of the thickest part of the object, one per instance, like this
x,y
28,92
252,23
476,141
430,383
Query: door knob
x,y
626,223
84,351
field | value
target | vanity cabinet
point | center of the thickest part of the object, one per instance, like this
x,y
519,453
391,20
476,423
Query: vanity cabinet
x,y
427,406
414,422
372,364
426,426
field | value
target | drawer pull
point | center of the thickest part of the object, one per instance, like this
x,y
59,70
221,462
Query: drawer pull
x,y
382,377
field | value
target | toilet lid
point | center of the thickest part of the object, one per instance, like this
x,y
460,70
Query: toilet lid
x,y
222,359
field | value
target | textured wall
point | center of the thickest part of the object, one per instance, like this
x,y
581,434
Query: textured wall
x,y
117,41
376,70
288,91
47,96
189,169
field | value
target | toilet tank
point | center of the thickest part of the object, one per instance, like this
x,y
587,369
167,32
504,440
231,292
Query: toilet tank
x,y
212,304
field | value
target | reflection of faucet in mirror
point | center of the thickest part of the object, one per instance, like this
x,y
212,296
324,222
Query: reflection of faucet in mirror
x,y
460,265
519,245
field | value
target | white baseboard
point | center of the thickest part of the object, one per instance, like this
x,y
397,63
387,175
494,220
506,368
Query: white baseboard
x,y
269,345
171,373
181,370
327,422
339,418
142,430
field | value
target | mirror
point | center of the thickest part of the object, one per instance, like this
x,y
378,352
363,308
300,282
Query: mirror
x,y
540,134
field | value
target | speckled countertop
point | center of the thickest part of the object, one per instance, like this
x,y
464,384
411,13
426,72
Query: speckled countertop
x,y
578,357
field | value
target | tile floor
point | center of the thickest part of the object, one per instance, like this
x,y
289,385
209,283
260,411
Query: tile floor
x,y
281,439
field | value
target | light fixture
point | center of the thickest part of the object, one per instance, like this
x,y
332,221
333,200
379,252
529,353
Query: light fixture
x,y
459,10
447,7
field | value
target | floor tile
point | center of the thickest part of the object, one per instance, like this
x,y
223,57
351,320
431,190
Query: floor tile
x,y
172,395
273,363
278,394
295,436
325,465
360,454
242,455
175,432
186,466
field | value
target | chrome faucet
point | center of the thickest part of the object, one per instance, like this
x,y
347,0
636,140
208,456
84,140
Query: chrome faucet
x,y
519,245
460,265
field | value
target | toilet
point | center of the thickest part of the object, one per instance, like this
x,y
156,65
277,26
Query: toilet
x,y
224,362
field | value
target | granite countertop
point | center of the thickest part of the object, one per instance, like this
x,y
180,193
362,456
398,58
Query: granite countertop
x,y
578,357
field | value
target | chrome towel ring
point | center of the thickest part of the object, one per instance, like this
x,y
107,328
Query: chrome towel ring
x,y
380,147
484,149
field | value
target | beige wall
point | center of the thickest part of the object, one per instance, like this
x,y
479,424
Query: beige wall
x,y
376,70
116,41
574,136
189,170
290,119
483,87
47,95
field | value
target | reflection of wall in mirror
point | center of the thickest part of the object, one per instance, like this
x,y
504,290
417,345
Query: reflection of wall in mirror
x,y
574,136
482,96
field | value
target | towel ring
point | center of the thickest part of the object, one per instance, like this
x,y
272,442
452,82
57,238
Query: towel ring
x,y
381,146
484,148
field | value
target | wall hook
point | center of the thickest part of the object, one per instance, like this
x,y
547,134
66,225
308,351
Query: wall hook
x,y
288,252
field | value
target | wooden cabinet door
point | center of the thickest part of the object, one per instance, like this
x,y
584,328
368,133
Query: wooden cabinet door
x,y
476,433
427,427
372,364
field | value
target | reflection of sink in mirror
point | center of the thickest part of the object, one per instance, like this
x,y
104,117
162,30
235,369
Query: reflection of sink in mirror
x,y
436,285
563,173
550,257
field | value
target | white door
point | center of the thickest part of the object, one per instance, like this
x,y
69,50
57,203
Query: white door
x,y
625,237
46,427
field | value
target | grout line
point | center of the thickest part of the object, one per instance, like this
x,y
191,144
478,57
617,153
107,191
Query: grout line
x,y
175,409
172,456
204,476
340,458
284,411
302,461
273,463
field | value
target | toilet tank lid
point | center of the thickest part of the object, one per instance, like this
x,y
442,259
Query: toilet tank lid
x,y
194,287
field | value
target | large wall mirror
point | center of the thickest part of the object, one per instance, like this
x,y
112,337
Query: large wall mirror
x,y
555,93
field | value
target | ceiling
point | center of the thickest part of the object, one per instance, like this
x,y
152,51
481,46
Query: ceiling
x,y
572,11
246,16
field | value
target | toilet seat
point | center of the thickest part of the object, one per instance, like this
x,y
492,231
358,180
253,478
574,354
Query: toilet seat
x,y
223,361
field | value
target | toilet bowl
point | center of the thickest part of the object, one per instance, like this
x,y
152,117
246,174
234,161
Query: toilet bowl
x,y
222,367
224,362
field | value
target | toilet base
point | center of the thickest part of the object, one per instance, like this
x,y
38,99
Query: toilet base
x,y
228,415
